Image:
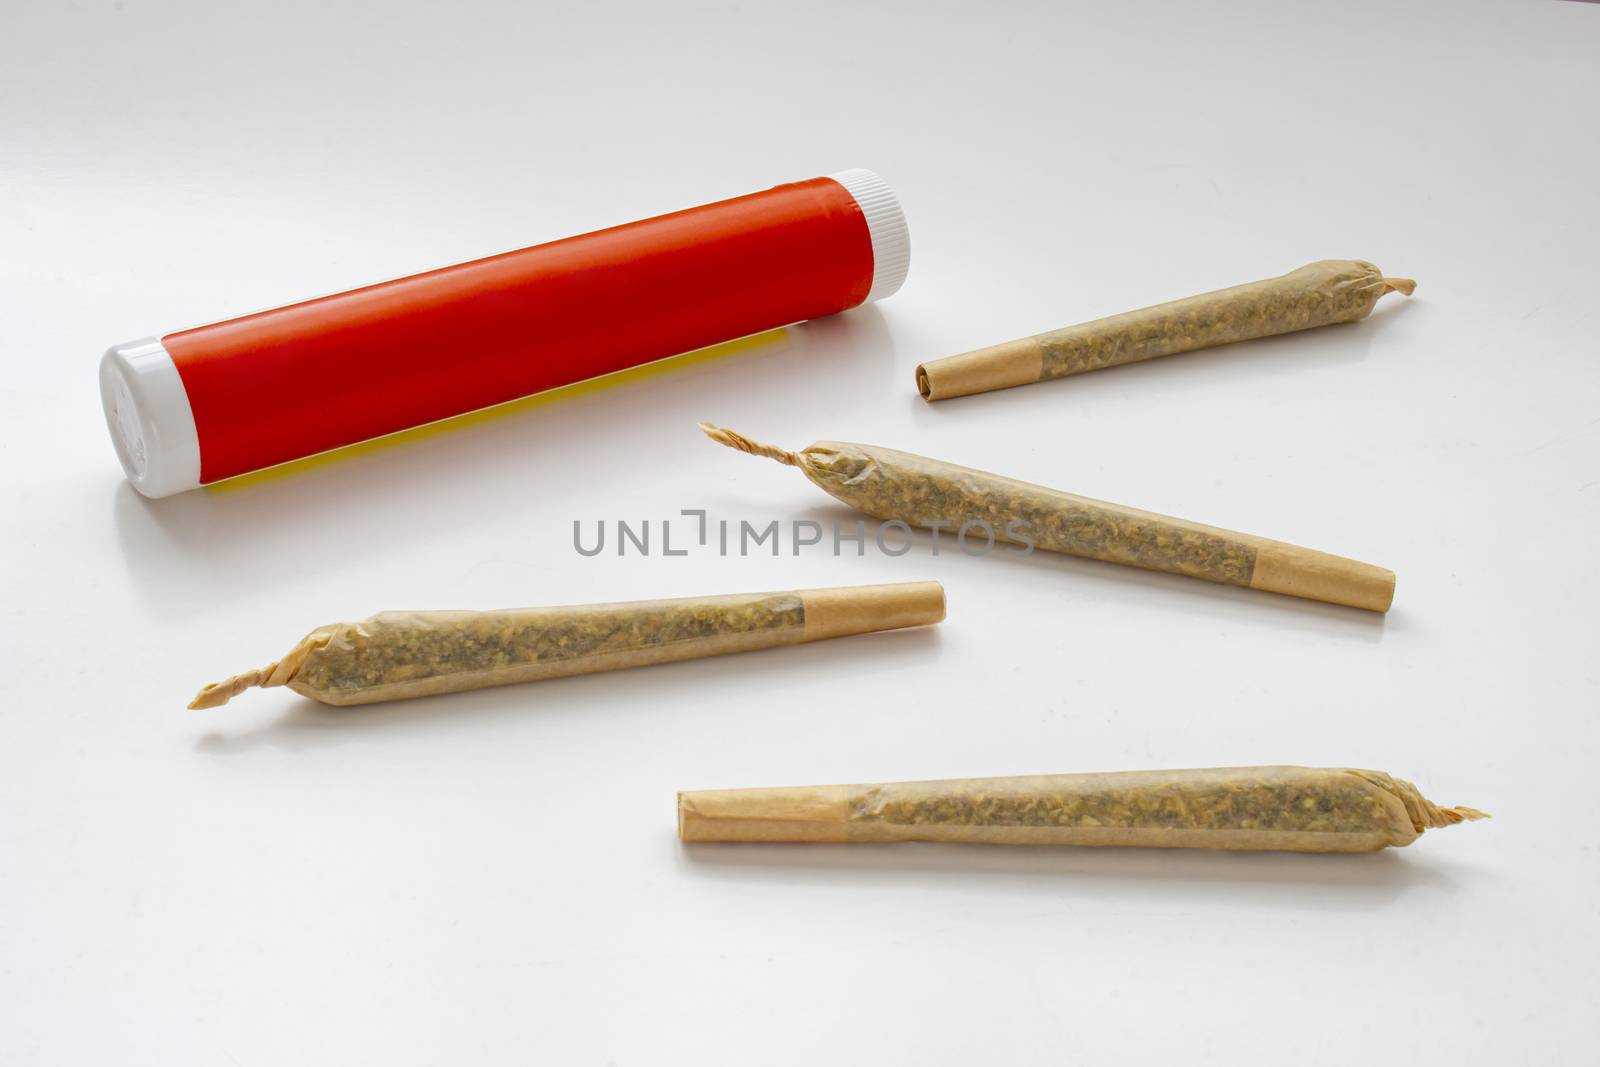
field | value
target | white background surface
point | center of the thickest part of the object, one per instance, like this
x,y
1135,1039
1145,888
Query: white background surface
x,y
494,877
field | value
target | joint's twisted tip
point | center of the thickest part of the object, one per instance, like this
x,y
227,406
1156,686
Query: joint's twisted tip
x,y
219,693
1434,815
1403,286
724,436
1424,813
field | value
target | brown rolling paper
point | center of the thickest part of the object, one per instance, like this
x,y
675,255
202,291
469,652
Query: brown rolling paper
x,y
1320,294
892,485
421,653
1290,809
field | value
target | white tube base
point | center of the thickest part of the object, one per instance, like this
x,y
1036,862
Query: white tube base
x,y
147,411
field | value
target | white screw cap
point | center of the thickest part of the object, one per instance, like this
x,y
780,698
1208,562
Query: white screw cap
x,y
891,238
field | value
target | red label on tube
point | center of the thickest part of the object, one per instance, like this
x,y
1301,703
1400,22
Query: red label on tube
x,y
302,379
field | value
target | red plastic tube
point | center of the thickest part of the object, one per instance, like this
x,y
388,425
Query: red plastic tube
x,y
209,403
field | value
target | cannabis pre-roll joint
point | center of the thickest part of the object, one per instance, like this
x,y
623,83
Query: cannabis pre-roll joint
x,y
401,654
1291,809
1324,293
918,491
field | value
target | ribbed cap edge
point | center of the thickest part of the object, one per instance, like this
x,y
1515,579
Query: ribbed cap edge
x,y
886,222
